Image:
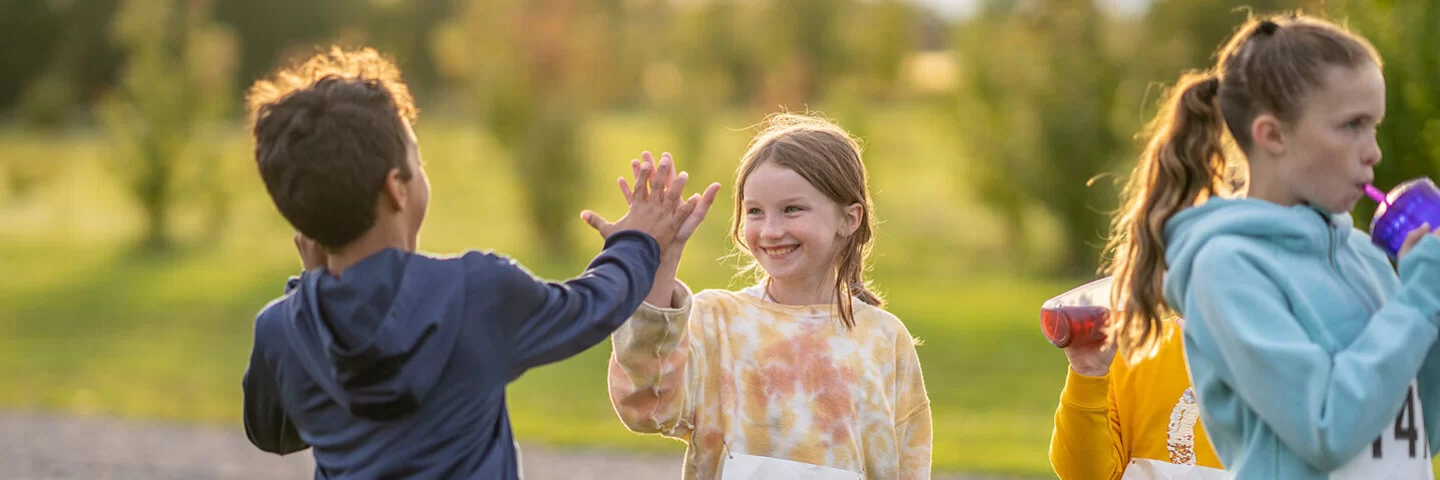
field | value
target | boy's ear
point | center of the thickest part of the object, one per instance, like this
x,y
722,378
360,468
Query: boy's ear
x,y
396,190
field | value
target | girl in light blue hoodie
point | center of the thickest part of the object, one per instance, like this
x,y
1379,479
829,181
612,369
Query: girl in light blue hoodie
x,y
1311,357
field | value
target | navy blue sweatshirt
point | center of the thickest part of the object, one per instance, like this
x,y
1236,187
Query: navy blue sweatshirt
x,y
398,368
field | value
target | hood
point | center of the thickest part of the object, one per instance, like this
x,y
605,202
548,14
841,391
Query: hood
x,y
377,338
1299,228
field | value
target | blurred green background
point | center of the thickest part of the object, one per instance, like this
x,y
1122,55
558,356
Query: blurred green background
x,y
139,243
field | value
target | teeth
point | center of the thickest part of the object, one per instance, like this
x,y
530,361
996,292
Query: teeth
x,y
775,252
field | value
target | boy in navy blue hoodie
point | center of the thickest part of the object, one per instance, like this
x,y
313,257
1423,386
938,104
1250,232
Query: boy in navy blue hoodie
x,y
389,363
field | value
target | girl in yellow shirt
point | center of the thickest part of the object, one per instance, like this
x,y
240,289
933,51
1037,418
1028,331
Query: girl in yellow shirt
x,y
1131,421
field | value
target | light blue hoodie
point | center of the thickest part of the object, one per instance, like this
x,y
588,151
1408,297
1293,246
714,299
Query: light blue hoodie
x,y
1300,338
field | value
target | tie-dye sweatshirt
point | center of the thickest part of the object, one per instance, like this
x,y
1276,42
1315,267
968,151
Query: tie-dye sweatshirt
x,y
732,374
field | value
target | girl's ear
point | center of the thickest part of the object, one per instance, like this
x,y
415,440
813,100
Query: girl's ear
x,y
852,214
1269,134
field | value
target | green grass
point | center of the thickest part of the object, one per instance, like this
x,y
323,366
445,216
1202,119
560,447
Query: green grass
x,y
88,327
169,339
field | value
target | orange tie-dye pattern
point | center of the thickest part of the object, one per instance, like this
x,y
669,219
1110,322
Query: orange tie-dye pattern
x,y
729,372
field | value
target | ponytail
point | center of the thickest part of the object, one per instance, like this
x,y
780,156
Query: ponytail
x,y
1266,67
1183,163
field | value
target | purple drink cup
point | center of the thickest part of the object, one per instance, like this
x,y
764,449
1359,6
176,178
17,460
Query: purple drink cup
x,y
1404,209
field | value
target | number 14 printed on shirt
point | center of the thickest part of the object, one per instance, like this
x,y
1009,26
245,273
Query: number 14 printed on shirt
x,y
1401,452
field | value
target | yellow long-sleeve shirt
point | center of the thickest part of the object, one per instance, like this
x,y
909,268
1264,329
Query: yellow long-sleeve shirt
x,y
753,384
1138,422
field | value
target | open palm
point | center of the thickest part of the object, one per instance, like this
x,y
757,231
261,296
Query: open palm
x,y
702,201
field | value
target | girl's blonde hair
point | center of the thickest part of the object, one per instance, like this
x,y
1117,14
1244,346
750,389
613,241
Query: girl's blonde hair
x,y
829,158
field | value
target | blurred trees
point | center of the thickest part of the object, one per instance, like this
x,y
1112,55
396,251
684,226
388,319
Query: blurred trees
x,y
698,71
527,68
55,60
1042,127
56,56
1050,94
1055,92
175,84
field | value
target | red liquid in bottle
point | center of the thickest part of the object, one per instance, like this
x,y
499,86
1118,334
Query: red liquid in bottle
x,y
1074,325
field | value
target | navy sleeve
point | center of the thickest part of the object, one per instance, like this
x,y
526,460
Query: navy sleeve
x,y
266,424
545,322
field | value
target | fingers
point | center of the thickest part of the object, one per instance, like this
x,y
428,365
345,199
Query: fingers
x,y
699,205
663,172
676,189
642,183
1413,238
652,178
625,185
1418,233
708,198
304,243
688,207
595,221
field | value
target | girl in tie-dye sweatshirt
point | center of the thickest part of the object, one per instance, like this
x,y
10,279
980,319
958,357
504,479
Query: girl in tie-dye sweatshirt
x,y
803,375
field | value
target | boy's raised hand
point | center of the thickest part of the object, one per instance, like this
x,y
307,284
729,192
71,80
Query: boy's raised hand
x,y
702,201
655,206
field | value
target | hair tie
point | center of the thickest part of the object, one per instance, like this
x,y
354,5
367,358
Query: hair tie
x,y
1268,27
1208,88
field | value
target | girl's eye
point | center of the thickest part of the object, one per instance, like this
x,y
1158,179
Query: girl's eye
x,y
792,209
752,211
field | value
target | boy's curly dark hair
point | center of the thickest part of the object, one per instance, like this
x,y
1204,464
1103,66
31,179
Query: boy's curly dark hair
x,y
327,132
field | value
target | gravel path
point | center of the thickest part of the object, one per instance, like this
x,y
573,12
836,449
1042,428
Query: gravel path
x,y
36,446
